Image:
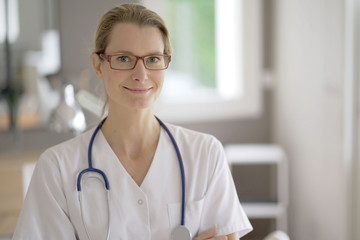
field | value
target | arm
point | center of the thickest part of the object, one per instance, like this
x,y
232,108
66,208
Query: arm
x,y
210,234
221,207
233,236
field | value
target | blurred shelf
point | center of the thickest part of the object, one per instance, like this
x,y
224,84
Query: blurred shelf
x,y
254,153
264,210
248,161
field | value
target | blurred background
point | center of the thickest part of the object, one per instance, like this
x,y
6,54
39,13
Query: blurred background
x,y
276,81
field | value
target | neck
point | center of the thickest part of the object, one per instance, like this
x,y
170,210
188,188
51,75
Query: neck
x,y
132,132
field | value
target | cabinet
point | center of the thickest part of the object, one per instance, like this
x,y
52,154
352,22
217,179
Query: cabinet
x,y
260,173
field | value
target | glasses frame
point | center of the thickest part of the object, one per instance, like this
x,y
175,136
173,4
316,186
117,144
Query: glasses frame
x,y
107,57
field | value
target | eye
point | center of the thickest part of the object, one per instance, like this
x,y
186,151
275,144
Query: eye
x,y
153,59
123,59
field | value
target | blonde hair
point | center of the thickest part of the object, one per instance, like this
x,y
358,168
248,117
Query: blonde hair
x,y
129,13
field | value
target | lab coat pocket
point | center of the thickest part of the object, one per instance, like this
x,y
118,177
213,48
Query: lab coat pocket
x,y
192,215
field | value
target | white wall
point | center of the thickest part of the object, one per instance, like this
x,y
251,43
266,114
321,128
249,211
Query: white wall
x,y
308,114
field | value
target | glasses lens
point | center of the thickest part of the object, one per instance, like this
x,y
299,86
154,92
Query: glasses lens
x,y
156,62
123,62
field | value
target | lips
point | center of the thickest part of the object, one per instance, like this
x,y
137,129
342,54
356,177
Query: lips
x,y
138,90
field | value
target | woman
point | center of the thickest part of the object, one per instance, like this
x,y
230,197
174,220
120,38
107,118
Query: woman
x,y
135,152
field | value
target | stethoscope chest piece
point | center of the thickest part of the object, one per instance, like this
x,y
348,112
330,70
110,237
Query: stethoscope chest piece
x,y
181,233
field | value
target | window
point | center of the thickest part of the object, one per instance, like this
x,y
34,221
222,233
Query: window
x,y
12,18
216,64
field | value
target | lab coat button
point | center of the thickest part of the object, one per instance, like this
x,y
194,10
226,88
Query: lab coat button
x,y
140,201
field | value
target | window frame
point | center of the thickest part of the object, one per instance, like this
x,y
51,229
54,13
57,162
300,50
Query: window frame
x,y
249,103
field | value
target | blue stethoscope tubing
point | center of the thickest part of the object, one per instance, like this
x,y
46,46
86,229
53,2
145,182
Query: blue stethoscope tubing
x,y
182,171
90,168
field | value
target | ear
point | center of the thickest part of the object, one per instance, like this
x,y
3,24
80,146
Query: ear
x,y
97,64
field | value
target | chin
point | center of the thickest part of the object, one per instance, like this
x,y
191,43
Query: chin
x,y
142,105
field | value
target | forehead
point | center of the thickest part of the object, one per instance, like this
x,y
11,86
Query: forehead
x,y
139,40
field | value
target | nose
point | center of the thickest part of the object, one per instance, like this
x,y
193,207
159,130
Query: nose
x,y
139,72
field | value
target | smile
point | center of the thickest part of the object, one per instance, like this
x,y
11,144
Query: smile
x,y
138,90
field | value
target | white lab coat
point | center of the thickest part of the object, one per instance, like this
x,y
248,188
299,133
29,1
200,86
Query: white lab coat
x,y
52,211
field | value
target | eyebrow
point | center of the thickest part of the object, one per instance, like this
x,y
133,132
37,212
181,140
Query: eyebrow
x,y
131,53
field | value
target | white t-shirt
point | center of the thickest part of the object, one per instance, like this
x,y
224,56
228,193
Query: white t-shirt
x,y
52,210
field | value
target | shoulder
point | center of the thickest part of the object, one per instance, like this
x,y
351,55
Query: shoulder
x,y
68,149
198,147
184,135
204,160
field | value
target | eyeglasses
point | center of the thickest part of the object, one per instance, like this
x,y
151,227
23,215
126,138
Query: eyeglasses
x,y
128,62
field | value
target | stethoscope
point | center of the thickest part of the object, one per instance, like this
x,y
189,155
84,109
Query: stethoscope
x,y
181,232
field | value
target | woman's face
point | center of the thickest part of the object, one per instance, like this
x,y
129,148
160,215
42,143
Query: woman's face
x,y
137,88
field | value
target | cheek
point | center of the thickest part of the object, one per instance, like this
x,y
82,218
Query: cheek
x,y
114,78
111,83
159,78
